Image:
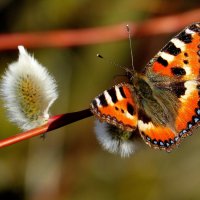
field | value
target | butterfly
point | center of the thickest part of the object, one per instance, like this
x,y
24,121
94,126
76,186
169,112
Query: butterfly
x,y
163,101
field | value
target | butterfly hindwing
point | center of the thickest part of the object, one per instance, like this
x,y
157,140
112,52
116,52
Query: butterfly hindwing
x,y
158,137
117,107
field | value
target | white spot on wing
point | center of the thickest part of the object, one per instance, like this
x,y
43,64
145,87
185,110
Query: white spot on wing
x,y
108,98
119,96
144,126
128,115
98,102
188,31
178,43
166,56
187,69
190,87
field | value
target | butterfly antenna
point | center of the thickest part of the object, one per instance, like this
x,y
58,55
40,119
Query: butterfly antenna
x,y
130,44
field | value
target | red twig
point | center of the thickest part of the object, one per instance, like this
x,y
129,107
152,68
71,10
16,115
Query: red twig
x,y
54,122
66,38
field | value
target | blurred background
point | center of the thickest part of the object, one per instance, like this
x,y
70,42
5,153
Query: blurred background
x,y
69,163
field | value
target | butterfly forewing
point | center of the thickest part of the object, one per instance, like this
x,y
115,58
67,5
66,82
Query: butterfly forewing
x,y
179,59
117,106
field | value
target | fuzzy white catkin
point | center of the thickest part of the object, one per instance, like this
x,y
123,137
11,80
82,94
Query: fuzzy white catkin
x,y
28,91
113,145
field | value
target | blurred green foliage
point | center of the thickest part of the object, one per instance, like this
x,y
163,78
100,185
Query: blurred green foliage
x,y
69,163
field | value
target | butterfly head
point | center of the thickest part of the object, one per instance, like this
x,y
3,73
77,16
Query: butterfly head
x,y
131,75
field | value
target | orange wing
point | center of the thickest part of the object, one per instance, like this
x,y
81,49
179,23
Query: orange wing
x,y
186,120
180,58
188,116
116,106
158,137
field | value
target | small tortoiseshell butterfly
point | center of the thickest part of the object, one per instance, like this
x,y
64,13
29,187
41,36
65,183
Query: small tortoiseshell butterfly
x,y
162,102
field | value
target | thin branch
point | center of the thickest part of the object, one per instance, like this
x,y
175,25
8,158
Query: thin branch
x,y
67,38
53,123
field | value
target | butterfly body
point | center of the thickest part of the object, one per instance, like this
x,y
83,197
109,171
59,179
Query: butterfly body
x,y
163,101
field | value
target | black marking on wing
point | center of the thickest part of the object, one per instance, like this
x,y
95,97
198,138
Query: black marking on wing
x,y
178,71
112,94
142,116
184,37
103,101
130,109
166,144
195,27
171,49
116,108
162,61
178,89
94,103
122,92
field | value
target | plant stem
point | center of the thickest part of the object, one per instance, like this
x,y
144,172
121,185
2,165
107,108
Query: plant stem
x,y
53,123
